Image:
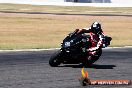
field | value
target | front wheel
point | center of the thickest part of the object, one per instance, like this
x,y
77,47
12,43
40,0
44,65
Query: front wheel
x,y
55,59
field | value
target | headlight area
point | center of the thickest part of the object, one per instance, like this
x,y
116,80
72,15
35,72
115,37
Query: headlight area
x,y
67,44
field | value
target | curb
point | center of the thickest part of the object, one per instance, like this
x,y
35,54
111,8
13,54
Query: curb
x,y
19,50
117,47
50,49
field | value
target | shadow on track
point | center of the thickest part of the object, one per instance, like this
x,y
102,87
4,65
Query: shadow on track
x,y
95,66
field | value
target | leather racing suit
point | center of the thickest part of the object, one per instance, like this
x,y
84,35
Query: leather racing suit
x,y
96,40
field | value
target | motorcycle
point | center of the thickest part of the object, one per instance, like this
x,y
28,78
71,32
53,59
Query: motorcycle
x,y
72,50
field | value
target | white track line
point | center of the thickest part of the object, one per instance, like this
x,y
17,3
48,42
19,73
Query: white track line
x,y
17,50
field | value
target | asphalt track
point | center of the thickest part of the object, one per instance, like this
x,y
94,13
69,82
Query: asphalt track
x,y
30,69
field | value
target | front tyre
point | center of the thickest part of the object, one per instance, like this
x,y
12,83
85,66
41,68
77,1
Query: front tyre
x,y
55,59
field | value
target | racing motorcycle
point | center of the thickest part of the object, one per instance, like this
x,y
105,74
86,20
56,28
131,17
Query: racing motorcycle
x,y
72,50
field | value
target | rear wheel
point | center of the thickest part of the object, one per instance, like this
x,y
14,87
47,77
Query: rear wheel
x,y
55,59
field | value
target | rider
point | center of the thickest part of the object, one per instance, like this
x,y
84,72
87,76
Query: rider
x,y
97,37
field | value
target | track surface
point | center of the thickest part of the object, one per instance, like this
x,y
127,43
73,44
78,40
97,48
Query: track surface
x,y
31,70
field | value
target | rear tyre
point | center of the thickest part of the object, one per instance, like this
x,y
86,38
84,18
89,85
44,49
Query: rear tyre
x,y
55,59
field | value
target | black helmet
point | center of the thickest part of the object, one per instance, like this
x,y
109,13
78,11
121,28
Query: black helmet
x,y
96,27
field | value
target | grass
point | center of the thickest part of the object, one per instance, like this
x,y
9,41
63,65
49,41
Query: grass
x,y
22,31
65,9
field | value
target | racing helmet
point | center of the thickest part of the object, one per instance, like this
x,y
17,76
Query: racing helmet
x,y
96,28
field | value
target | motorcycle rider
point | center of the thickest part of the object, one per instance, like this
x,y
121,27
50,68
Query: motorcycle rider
x,y
97,37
